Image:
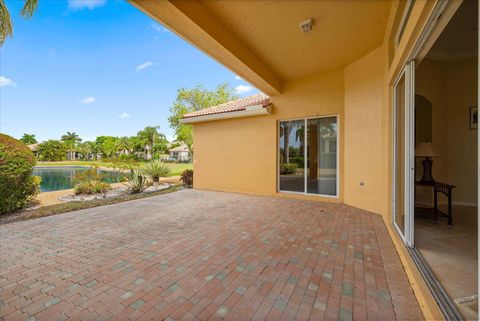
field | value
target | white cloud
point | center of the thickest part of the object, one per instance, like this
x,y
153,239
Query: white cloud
x,y
5,82
237,77
88,100
144,66
124,115
242,89
158,28
88,4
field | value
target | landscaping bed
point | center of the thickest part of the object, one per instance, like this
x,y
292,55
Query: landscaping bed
x,y
74,205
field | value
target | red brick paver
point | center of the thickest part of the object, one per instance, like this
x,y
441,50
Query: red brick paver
x,y
199,255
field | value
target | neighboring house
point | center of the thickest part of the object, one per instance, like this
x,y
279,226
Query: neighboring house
x,y
337,120
33,148
179,153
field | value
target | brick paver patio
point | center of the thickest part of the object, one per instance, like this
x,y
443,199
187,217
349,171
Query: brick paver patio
x,y
199,255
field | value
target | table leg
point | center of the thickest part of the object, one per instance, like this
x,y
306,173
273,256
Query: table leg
x,y
450,214
435,203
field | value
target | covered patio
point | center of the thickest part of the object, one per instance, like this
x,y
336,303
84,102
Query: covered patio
x,y
202,255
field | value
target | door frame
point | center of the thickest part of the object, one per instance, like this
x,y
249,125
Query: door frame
x,y
408,73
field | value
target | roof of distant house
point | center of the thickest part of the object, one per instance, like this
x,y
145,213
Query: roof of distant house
x,y
233,106
180,148
33,147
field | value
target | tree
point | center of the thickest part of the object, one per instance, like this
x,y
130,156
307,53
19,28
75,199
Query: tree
x,y
161,145
190,100
6,28
285,130
71,140
51,150
85,149
124,145
149,136
28,139
107,145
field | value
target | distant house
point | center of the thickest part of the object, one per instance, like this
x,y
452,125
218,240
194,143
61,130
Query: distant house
x,y
33,148
180,153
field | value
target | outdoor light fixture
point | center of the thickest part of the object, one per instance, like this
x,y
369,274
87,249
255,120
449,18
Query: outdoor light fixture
x,y
306,26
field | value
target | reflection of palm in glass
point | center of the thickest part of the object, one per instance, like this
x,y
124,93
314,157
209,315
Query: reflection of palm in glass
x,y
308,156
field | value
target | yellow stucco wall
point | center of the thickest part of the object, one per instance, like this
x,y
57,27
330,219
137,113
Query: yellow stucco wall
x,y
240,155
364,85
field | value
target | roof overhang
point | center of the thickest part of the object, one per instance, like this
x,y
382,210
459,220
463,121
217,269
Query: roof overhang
x,y
197,25
256,110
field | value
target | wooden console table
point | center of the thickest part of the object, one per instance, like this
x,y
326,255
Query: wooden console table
x,y
446,189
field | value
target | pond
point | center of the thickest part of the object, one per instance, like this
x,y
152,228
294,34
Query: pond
x,y
61,177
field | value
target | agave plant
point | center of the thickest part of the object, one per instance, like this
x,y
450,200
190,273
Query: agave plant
x,y
156,169
137,182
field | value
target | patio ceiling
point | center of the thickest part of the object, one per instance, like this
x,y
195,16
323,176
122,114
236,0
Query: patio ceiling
x,y
261,40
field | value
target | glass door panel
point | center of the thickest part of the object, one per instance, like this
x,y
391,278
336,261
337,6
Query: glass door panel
x,y
399,156
399,187
404,140
322,156
291,156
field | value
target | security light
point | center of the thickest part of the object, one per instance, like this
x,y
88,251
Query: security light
x,y
306,26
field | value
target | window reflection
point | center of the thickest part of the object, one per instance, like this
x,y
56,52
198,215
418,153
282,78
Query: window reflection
x,y
320,146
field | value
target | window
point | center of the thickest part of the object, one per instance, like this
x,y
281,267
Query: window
x,y
407,10
308,159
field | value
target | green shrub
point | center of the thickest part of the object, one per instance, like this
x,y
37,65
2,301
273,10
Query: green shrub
x,y
137,182
52,150
91,187
17,185
187,178
89,175
288,169
156,169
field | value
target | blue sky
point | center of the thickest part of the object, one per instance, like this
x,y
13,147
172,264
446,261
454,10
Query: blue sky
x,y
96,68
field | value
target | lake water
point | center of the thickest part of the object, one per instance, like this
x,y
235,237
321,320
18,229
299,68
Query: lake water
x,y
58,178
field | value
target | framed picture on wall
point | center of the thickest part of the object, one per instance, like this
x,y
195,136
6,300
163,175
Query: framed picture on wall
x,y
473,117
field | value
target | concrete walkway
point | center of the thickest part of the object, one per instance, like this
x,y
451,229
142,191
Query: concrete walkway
x,y
199,255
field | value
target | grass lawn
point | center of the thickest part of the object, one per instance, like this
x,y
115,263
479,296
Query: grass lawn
x,y
77,205
176,169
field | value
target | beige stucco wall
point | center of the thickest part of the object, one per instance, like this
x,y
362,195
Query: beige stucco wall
x,y
240,155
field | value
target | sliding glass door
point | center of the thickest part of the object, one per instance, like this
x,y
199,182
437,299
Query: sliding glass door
x,y
308,158
403,153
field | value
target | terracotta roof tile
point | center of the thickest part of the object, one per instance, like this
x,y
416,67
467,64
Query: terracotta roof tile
x,y
231,106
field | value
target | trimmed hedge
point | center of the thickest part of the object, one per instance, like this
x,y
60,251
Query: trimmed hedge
x,y
288,169
17,185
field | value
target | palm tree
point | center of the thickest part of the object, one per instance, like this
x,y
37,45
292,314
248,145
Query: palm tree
x,y
285,131
85,149
71,139
149,135
6,28
124,145
28,138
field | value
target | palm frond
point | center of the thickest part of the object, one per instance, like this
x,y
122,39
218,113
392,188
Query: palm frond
x,y
5,23
29,8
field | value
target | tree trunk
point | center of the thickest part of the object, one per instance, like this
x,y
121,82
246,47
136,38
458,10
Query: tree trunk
x,y
286,138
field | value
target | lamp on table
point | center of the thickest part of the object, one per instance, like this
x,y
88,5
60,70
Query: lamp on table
x,y
426,150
